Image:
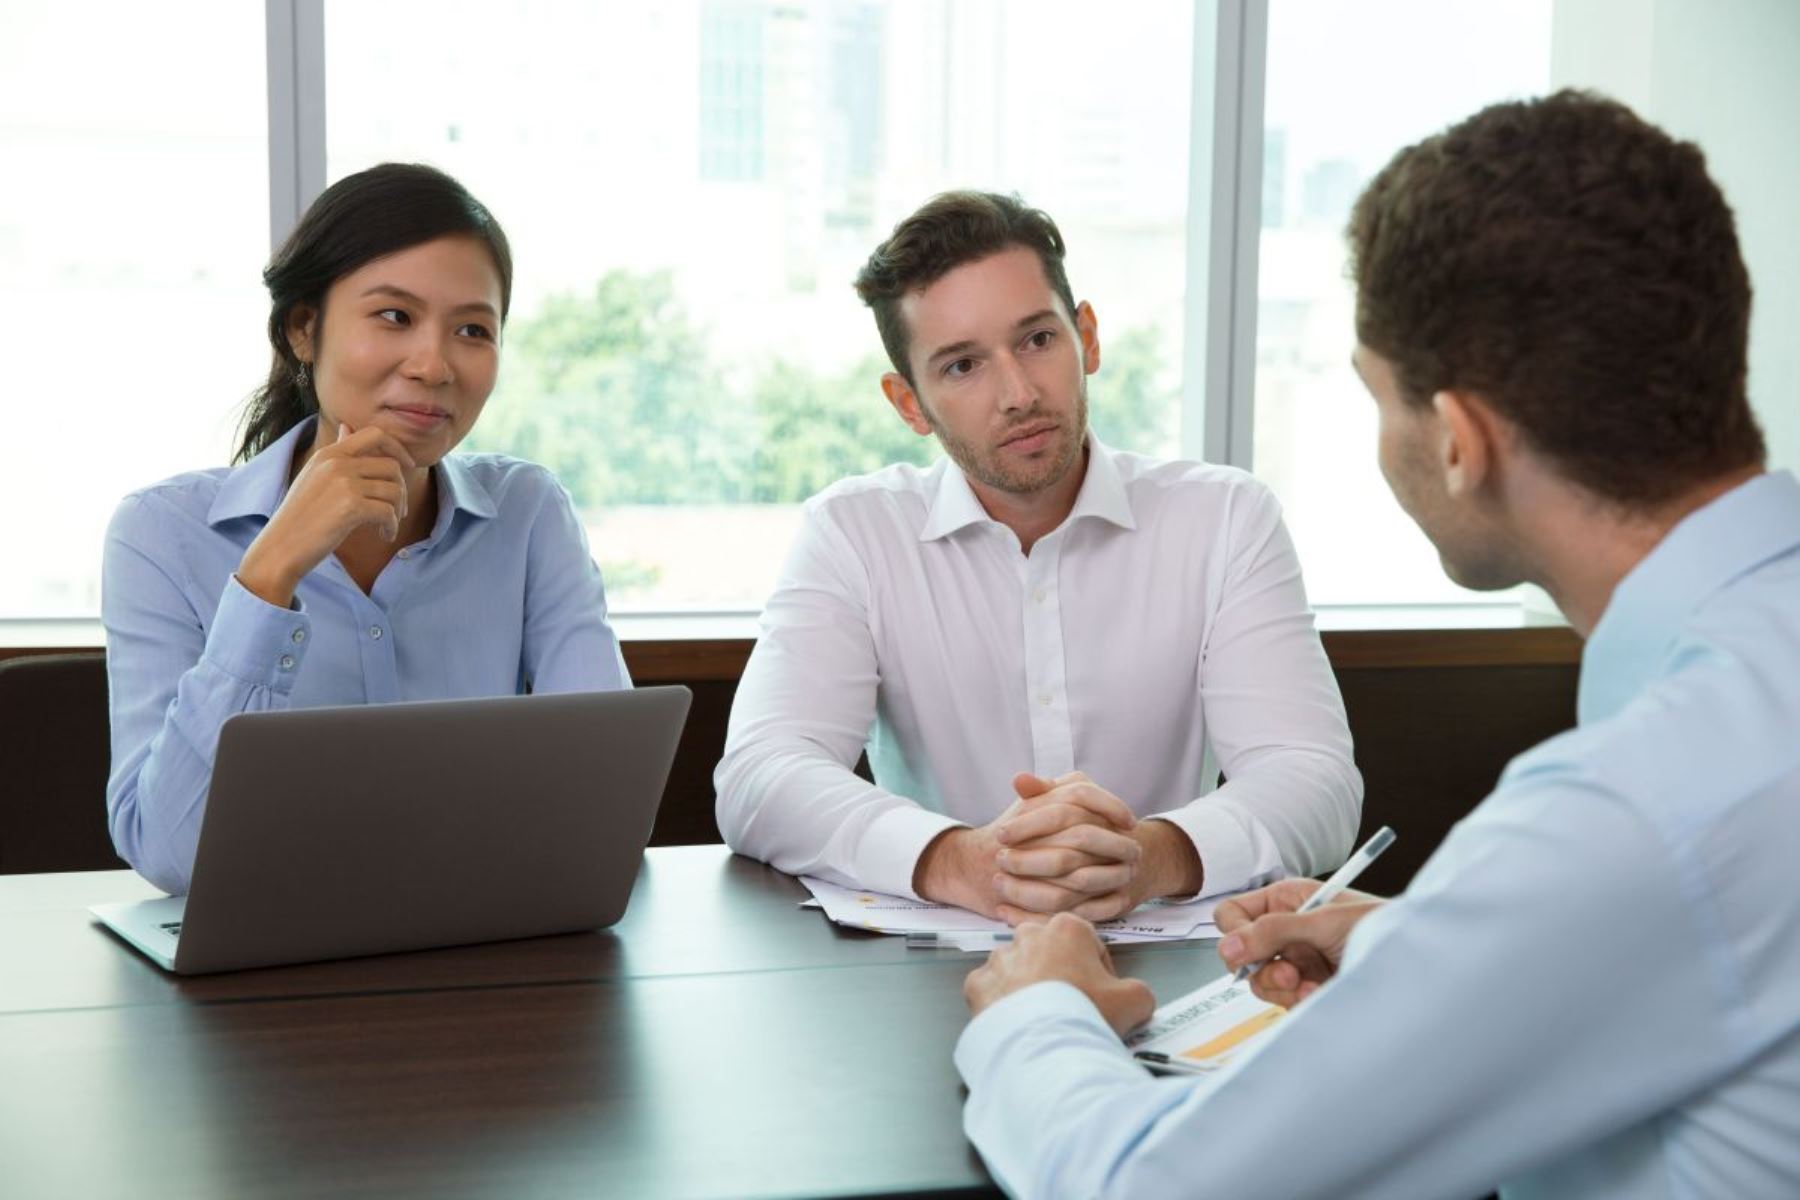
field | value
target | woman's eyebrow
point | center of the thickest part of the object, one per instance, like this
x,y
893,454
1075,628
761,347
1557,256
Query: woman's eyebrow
x,y
400,293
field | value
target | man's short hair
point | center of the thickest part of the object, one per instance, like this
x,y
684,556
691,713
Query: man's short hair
x,y
1577,268
952,229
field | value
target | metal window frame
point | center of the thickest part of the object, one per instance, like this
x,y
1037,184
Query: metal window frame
x,y
294,38
1224,232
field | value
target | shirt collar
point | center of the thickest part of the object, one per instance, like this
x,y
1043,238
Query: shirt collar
x,y
955,506
256,488
1709,548
459,490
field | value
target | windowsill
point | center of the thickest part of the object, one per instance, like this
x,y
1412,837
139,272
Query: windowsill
x,y
1347,618
701,648
33,634
78,633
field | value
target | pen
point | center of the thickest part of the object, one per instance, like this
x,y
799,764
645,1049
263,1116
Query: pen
x,y
1340,879
1174,1066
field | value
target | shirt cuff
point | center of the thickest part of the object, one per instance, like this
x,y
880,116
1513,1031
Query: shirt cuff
x,y
887,853
1227,857
988,1034
257,642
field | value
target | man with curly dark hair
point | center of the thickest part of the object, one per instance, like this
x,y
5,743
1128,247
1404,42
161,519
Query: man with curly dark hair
x,y
1593,987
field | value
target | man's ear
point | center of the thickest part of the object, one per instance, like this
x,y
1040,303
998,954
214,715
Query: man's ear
x,y
302,330
1088,326
1468,442
900,394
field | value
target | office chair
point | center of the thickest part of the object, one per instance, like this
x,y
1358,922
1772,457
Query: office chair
x,y
54,754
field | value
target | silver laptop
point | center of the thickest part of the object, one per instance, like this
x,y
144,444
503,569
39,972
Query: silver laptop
x,y
337,832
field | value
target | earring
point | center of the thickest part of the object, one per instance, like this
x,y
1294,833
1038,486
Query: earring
x,y
303,376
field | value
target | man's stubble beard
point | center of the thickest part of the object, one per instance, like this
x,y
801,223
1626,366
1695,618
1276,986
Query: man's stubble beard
x,y
965,455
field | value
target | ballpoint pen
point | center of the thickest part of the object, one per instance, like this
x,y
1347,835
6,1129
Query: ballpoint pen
x,y
1156,1060
1340,879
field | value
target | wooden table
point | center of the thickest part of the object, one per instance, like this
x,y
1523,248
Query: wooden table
x,y
717,1042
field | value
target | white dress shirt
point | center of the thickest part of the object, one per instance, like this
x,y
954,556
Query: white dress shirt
x,y
1591,990
1164,617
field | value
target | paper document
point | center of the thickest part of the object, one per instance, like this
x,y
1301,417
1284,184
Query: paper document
x,y
882,913
1209,1027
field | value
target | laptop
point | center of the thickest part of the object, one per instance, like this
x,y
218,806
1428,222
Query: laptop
x,y
338,832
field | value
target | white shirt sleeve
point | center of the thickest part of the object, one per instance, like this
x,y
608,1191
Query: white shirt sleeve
x,y
787,789
1527,998
1292,797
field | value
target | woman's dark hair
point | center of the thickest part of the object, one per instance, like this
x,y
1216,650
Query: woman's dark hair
x,y
358,219
1578,268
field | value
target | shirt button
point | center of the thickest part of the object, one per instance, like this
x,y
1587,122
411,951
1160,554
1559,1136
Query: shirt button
x,y
375,632
1044,697
287,662
404,554
299,636
1039,595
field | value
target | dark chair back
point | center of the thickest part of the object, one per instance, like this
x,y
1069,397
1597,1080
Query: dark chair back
x,y
54,755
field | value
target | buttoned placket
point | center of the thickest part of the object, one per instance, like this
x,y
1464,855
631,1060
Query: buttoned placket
x,y
377,647
1046,674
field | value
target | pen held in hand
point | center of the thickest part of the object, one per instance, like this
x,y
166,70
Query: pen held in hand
x,y
1334,887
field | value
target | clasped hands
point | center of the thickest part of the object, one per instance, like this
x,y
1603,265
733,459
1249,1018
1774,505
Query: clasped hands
x,y
1065,845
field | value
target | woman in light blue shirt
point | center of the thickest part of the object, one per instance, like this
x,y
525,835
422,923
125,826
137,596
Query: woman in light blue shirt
x,y
350,557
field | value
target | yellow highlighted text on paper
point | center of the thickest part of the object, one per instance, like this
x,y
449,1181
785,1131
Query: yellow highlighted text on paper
x,y
1243,1031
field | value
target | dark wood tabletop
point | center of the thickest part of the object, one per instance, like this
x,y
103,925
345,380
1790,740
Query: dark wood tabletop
x,y
719,1041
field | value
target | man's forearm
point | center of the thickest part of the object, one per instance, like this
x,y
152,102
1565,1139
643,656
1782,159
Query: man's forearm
x,y
1171,866
957,868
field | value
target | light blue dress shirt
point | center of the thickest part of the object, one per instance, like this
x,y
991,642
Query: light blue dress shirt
x,y
1591,990
501,596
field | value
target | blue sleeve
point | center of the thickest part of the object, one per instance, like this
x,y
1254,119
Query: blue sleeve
x,y
174,675
569,645
1530,995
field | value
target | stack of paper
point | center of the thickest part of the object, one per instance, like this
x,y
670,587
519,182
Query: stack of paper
x,y
939,925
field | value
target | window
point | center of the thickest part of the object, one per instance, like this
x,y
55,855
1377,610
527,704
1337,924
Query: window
x,y
133,228
690,189
691,185
1347,86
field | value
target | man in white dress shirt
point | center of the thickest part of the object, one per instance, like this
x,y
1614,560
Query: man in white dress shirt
x,y
1038,639
1592,989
